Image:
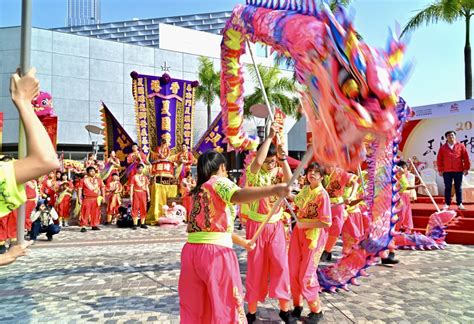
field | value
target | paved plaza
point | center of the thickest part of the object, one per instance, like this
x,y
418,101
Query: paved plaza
x,y
124,276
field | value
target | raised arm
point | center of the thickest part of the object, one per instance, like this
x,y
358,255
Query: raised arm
x,y
255,193
41,157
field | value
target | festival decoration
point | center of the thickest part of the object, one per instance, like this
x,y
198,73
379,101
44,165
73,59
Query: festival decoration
x,y
43,106
350,101
115,137
164,109
212,139
434,237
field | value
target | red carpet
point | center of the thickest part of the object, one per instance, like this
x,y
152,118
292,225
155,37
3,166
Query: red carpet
x,y
460,233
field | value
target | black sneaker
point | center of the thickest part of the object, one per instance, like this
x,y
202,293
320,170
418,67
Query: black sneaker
x,y
296,313
3,249
313,318
251,318
134,227
391,259
143,226
50,237
83,230
287,317
95,228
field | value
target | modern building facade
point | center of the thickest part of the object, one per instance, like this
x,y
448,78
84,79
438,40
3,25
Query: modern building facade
x,y
80,72
146,32
83,12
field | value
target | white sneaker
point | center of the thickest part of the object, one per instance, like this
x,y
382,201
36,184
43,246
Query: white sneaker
x,y
66,224
445,207
461,207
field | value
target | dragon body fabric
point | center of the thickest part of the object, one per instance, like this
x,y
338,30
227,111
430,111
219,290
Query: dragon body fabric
x,y
350,100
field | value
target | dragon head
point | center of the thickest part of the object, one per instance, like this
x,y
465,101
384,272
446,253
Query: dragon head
x,y
43,104
366,81
353,90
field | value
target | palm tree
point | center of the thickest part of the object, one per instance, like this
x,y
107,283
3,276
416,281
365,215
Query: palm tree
x,y
449,11
210,84
281,91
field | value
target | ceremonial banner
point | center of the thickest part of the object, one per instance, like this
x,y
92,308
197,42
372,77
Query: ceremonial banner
x,y
212,139
50,123
424,132
115,137
164,109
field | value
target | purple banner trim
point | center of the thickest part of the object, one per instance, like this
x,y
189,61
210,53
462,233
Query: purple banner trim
x,y
212,139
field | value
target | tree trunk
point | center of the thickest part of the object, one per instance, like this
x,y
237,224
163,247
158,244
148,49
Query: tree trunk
x,y
467,61
208,116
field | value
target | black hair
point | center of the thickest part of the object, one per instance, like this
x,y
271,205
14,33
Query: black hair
x,y
90,168
449,132
64,174
272,150
402,164
208,164
316,167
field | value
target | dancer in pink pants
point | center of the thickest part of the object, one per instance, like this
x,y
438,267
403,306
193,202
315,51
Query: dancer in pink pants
x,y
267,265
210,288
335,182
354,227
307,244
405,218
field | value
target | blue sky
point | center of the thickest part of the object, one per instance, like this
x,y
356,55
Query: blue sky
x,y
437,50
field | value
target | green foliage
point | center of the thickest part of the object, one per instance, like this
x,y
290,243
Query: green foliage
x,y
281,91
210,84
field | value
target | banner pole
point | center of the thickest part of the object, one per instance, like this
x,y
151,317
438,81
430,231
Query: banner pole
x,y
25,61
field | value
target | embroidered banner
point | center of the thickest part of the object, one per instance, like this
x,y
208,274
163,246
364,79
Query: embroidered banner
x,y
50,123
164,109
115,137
212,139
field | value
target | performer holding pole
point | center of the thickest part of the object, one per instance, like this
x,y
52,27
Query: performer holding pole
x,y
307,243
267,265
209,266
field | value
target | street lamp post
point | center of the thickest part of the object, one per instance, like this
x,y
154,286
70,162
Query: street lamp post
x,y
25,61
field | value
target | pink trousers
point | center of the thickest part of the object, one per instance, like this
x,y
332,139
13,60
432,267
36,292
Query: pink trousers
x,y
352,231
210,288
303,263
334,231
267,264
405,218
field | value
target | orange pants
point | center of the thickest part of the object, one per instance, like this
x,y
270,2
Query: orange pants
x,y
139,204
90,212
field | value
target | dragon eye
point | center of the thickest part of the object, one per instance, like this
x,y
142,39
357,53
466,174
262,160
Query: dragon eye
x,y
44,102
350,89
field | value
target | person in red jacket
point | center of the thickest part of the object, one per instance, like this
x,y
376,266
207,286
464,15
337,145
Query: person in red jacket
x,y
453,162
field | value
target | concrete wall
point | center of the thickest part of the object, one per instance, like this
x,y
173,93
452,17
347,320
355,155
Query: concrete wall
x,y
79,72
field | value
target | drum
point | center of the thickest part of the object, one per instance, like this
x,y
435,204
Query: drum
x,y
162,168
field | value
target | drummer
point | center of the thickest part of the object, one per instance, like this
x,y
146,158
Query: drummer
x,y
134,159
162,151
